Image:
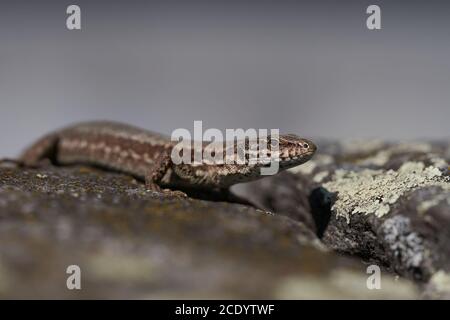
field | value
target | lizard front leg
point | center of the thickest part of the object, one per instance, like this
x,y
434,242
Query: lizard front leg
x,y
156,173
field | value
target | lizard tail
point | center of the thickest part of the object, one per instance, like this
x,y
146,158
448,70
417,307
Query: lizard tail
x,y
44,148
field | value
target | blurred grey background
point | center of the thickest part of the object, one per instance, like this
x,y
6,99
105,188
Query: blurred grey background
x,y
307,67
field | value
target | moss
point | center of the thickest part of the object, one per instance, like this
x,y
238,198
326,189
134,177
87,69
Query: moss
x,y
374,191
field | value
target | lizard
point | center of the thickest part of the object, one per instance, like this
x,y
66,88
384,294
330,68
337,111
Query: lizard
x,y
147,156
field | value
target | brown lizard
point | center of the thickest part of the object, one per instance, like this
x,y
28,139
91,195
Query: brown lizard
x,y
147,156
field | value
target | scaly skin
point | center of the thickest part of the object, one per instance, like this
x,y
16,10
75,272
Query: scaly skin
x,y
147,156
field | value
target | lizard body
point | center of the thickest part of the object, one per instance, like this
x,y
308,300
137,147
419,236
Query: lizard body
x,y
147,156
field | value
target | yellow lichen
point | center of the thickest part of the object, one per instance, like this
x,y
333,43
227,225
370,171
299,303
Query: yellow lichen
x,y
374,191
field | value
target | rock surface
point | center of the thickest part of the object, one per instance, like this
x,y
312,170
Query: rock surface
x,y
132,243
388,203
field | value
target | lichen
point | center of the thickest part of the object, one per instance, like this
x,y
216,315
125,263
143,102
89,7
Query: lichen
x,y
424,206
318,177
404,245
441,282
382,156
308,167
374,191
357,146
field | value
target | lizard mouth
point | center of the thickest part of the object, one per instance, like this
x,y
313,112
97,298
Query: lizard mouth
x,y
307,155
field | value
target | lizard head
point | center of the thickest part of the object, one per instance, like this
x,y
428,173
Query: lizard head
x,y
242,161
292,150
288,150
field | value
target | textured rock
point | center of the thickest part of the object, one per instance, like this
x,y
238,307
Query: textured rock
x,y
388,203
375,191
130,243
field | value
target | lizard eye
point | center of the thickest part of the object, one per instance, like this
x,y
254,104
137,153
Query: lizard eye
x,y
273,143
305,145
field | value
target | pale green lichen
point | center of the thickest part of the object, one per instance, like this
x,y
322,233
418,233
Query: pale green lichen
x,y
318,177
438,162
439,285
441,281
374,191
428,204
382,156
406,246
358,146
379,159
308,167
